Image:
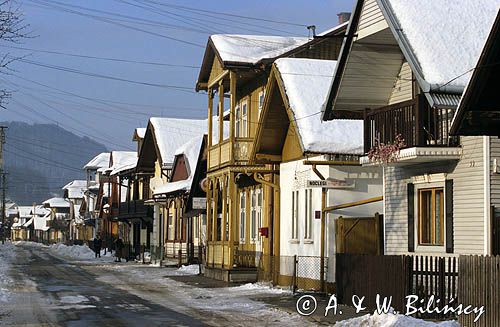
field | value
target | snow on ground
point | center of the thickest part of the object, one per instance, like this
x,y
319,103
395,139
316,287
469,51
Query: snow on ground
x,y
6,256
235,303
75,252
189,270
392,320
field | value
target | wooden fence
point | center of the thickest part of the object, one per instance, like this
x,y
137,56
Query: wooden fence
x,y
396,276
479,285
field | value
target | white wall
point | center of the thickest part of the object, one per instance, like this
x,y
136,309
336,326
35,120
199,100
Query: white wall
x,y
294,176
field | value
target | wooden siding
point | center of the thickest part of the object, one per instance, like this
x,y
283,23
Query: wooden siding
x,y
468,199
403,88
494,177
371,20
216,70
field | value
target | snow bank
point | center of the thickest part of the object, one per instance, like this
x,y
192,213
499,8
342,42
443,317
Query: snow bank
x,y
189,270
392,320
79,252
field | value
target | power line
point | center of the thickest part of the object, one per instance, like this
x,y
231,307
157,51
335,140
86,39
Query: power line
x,y
99,58
230,14
79,72
110,21
205,14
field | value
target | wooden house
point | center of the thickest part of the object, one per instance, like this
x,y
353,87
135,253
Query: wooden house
x,y
183,200
111,192
132,209
93,171
402,68
74,193
162,138
308,151
58,219
241,217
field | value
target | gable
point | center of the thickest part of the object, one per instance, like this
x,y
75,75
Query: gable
x,y
180,171
371,20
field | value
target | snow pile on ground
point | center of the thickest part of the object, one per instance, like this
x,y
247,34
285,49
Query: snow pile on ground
x,y
79,252
392,320
189,270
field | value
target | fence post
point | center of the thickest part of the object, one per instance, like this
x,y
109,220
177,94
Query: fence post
x,y
442,280
180,256
294,278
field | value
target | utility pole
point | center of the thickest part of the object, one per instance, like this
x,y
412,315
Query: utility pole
x,y
2,172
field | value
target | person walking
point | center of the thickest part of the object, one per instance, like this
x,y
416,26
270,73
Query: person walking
x,y
97,245
119,249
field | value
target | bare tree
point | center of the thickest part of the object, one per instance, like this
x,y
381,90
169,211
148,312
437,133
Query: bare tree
x,y
12,30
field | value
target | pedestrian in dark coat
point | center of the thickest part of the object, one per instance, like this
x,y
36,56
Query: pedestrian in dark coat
x,y
97,246
119,248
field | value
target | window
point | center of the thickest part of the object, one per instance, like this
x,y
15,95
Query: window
x,y
261,101
295,210
170,224
308,215
259,209
431,216
228,201
253,215
237,120
244,118
242,217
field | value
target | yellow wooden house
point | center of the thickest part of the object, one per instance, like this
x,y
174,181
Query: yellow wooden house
x,y
243,198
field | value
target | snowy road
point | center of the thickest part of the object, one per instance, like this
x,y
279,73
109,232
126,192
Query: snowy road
x,y
40,288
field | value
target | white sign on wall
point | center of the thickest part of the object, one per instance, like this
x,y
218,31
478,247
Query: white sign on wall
x,y
199,203
329,183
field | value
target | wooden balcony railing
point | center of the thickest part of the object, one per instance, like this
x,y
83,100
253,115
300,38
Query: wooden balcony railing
x,y
417,123
134,209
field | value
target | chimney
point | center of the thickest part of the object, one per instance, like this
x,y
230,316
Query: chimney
x,y
343,17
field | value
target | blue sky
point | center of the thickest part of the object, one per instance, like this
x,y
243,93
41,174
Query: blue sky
x,y
49,95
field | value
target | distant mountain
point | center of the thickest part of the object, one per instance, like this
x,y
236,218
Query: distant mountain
x,y
41,158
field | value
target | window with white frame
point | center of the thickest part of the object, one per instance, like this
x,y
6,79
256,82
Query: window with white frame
x,y
253,215
295,211
237,120
261,101
171,226
308,214
259,209
242,216
244,119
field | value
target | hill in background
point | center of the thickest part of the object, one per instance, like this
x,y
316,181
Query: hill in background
x,y
41,158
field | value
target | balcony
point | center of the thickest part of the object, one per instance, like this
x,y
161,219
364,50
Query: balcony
x,y
134,209
424,130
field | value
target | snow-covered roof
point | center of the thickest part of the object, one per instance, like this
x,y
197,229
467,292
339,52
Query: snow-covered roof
x,y
99,161
25,211
444,36
41,223
191,151
122,160
307,84
171,133
253,48
40,210
57,203
76,188
140,132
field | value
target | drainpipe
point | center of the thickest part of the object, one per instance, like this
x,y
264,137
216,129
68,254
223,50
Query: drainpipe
x,y
323,228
